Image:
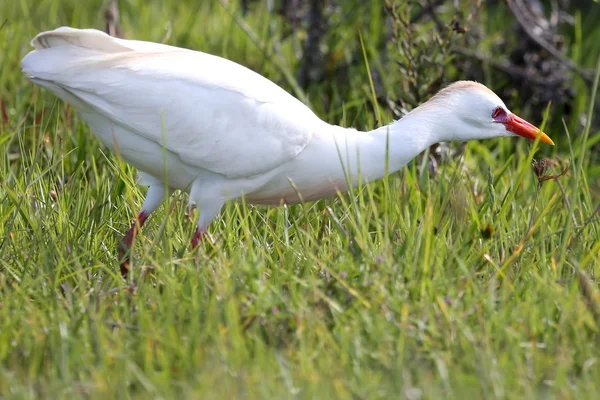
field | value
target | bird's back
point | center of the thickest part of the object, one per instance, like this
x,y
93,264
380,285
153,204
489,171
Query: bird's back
x,y
209,112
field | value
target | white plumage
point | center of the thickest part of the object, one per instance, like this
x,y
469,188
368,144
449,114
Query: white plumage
x,y
226,131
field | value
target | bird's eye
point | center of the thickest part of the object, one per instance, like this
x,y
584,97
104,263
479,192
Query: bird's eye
x,y
497,112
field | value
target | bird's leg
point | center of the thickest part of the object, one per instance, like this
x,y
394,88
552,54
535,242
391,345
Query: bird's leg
x,y
209,209
199,232
127,241
154,198
198,236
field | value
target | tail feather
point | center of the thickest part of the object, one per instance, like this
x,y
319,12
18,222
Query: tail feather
x,y
62,54
84,38
66,52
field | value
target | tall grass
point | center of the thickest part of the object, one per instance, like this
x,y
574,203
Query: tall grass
x,y
475,281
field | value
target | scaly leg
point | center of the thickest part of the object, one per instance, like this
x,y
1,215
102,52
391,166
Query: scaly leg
x,y
154,198
198,236
209,209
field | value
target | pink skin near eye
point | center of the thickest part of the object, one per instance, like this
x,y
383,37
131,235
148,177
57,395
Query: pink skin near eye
x,y
519,126
499,115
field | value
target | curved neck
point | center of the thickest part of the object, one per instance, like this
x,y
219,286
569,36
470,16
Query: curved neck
x,y
336,157
370,155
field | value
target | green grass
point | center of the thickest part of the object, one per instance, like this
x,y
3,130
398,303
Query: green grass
x,y
476,281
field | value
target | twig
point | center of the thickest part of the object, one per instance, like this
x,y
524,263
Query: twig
x,y
508,69
539,169
517,7
112,25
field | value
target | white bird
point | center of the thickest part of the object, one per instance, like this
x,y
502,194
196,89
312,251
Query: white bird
x,y
196,122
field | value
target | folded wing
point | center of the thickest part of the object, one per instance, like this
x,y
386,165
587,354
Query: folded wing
x,y
213,113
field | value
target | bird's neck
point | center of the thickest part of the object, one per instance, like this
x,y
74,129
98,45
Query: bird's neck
x,y
371,155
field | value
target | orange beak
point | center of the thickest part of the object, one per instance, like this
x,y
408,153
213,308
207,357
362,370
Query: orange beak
x,y
518,125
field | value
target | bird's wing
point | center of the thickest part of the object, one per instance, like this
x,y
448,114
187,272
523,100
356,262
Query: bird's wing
x,y
213,113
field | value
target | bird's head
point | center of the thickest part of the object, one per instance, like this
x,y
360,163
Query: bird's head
x,y
472,111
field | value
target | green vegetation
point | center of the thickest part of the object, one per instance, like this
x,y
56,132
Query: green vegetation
x,y
471,280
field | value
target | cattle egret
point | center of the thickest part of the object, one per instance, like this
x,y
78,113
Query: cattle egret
x,y
203,124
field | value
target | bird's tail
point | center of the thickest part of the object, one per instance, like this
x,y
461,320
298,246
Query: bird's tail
x,y
63,59
64,54
90,39
59,54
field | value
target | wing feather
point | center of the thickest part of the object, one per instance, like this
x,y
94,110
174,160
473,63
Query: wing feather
x,y
213,113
